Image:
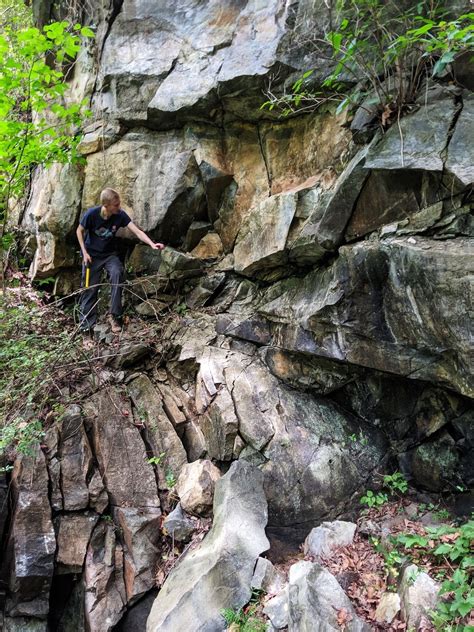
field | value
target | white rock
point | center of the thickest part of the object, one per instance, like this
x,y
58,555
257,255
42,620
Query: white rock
x,y
389,606
195,487
266,577
276,609
315,598
329,536
418,595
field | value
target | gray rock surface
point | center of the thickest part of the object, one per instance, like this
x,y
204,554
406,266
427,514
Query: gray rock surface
x,y
195,487
375,249
330,211
418,595
218,573
73,538
299,440
31,543
381,305
178,265
276,609
130,482
261,241
459,161
315,597
328,536
419,143
22,624
140,535
103,580
161,434
178,525
266,577
76,460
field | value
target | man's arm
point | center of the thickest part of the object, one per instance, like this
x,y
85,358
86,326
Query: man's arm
x,y
143,237
80,238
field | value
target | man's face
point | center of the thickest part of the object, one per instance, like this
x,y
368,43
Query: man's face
x,y
113,207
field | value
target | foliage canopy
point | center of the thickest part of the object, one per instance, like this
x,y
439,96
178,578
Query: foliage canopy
x,y
37,124
381,57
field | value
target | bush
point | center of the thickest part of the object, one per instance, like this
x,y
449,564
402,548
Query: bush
x,y
37,361
381,56
37,125
446,550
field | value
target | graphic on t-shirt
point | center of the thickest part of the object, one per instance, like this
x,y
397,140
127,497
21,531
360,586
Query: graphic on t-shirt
x,y
104,233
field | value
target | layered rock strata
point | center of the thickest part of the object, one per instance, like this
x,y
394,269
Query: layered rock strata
x,y
324,304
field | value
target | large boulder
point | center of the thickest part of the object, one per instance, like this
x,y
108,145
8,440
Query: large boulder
x,y
218,574
130,481
160,432
398,305
315,599
195,487
31,543
418,595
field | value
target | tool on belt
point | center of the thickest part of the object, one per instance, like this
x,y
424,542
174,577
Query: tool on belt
x,y
88,275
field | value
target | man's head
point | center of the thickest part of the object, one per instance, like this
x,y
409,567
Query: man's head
x,y
110,201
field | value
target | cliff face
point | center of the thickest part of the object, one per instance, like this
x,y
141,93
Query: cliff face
x,y
329,294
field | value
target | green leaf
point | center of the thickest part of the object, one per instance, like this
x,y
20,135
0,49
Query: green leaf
x,y
464,607
342,105
87,32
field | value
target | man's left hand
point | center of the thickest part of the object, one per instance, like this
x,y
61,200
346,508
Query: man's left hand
x,y
158,246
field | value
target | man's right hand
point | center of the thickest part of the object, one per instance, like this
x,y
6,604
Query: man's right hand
x,y
87,258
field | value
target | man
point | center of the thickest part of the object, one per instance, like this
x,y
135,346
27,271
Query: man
x,y
96,235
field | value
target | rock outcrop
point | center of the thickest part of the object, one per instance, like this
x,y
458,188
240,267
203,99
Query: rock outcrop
x,y
314,302
219,572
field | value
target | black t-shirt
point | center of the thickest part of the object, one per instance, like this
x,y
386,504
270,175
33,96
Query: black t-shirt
x,y
101,232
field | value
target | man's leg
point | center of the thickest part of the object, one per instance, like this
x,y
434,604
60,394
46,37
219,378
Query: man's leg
x,y
116,275
88,301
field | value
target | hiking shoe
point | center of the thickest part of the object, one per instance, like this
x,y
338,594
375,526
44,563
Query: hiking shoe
x,y
115,324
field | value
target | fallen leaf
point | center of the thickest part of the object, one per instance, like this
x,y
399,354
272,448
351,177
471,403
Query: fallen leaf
x,y
450,537
343,617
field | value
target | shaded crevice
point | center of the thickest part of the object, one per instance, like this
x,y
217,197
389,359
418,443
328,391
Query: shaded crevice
x,y
458,107
150,453
116,9
265,159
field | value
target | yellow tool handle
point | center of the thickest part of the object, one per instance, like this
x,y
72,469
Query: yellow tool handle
x,y
88,274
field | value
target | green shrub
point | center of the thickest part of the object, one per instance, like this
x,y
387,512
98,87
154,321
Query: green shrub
x,y
245,619
452,548
38,125
393,484
35,346
381,55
